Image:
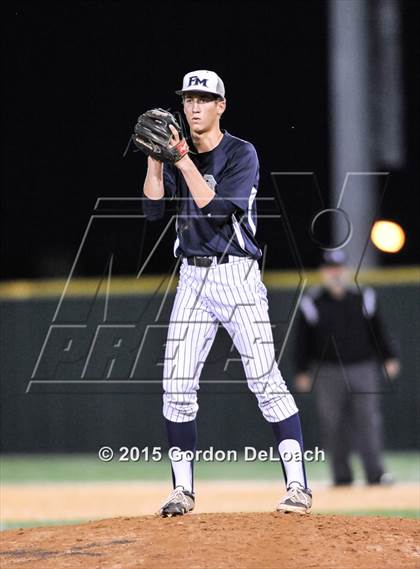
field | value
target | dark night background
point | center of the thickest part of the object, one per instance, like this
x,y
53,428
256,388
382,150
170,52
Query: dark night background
x,y
77,75
75,78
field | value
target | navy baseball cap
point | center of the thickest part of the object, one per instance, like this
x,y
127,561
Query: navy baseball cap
x,y
336,258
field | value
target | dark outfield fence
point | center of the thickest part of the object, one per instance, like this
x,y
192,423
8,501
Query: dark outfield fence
x,y
58,411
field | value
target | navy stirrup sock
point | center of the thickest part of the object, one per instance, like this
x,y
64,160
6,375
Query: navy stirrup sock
x,y
183,436
289,439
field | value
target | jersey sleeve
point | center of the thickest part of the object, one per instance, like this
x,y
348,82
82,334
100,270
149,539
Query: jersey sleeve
x,y
237,185
169,180
155,209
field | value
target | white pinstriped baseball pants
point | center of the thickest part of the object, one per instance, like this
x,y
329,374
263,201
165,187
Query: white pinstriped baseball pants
x,y
234,295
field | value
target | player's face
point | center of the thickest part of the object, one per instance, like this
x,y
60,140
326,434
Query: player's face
x,y
202,111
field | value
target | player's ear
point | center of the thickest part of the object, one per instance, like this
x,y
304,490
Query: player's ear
x,y
221,106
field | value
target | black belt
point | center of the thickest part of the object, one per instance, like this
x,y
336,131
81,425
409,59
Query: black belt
x,y
207,261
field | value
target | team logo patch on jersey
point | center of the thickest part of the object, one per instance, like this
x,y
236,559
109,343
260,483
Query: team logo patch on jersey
x,y
211,182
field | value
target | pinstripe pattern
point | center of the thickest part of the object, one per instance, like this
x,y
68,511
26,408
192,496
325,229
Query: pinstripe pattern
x,y
234,295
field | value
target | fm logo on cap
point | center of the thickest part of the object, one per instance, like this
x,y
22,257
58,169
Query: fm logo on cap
x,y
195,80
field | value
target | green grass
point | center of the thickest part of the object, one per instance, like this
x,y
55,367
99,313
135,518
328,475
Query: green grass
x,y
39,523
88,468
409,514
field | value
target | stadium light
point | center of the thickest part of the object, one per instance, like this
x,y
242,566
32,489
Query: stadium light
x,y
387,236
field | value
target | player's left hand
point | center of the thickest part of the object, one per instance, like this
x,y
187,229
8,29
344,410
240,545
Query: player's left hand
x,y
158,134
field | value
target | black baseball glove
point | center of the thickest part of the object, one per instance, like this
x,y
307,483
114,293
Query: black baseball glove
x,y
152,135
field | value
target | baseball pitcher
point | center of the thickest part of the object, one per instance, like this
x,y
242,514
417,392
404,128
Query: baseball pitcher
x,y
214,177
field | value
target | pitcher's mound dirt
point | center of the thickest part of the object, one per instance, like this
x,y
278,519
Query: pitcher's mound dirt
x,y
219,541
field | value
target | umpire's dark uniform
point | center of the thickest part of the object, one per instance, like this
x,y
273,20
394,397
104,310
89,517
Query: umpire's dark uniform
x,y
340,340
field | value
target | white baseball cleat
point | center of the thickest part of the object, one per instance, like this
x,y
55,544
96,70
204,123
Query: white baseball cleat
x,y
178,503
297,499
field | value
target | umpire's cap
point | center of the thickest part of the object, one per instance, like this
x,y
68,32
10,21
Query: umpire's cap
x,y
203,81
336,258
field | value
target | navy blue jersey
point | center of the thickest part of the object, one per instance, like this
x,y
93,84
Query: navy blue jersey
x,y
228,223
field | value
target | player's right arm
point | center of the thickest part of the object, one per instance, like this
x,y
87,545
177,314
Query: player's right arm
x,y
153,191
153,183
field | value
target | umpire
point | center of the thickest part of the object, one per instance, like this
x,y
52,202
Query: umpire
x,y
339,338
